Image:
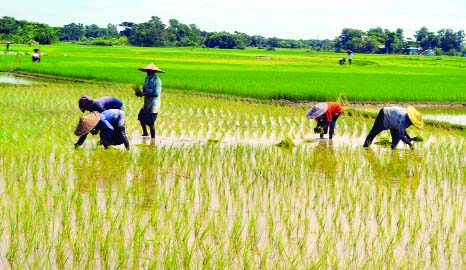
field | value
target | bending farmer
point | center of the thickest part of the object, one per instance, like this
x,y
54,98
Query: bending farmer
x,y
110,124
99,105
151,92
326,115
397,120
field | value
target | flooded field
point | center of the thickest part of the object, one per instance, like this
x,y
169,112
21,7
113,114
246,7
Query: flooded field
x,y
452,115
9,78
214,191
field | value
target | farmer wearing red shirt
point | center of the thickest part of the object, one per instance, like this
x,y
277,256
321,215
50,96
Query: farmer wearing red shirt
x,y
326,115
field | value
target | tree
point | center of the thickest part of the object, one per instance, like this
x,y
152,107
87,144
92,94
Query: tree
x,y
350,39
182,35
257,41
8,25
221,40
149,34
449,40
72,31
426,39
111,31
45,34
128,27
92,31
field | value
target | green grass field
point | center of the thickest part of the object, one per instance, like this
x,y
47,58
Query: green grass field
x,y
281,74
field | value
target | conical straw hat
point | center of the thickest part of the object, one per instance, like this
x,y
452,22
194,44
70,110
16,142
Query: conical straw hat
x,y
87,123
415,117
317,110
151,67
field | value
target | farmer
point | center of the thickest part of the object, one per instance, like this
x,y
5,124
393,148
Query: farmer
x,y
326,114
397,119
110,124
151,92
350,57
35,55
99,105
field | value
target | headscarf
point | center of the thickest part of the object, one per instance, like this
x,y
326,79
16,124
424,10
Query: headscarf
x,y
84,102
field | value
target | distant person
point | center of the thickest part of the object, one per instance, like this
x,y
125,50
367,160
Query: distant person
x,y
86,103
35,55
397,120
326,115
110,124
342,61
350,57
151,91
7,46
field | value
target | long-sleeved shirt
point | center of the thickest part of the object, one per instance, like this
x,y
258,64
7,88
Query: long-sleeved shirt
x,y
397,118
109,120
105,103
152,89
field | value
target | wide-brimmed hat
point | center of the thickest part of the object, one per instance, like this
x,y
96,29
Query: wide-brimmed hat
x,y
415,117
151,67
84,102
317,110
87,123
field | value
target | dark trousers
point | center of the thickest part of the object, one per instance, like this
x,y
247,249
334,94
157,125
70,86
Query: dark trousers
x,y
378,127
147,119
118,137
330,127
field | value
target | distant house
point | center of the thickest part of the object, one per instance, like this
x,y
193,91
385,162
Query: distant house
x,y
412,50
429,52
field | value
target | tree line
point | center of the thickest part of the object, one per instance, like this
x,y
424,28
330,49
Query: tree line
x,y
154,33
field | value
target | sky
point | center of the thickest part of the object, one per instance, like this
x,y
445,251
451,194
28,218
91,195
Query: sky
x,y
287,19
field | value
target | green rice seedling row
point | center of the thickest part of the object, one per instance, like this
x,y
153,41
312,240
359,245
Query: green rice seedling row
x,y
214,191
281,74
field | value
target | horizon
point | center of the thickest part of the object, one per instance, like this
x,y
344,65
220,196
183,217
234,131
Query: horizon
x,y
298,20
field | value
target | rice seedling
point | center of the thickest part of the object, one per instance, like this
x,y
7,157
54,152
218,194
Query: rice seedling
x,y
214,192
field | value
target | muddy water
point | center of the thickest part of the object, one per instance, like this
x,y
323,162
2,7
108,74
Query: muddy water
x,y
452,116
13,79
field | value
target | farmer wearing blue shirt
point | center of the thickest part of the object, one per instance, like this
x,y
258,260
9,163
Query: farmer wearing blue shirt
x,y
99,105
397,120
151,92
110,124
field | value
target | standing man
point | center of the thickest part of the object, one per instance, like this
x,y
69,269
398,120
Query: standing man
x,y
151,91
350,57
397,119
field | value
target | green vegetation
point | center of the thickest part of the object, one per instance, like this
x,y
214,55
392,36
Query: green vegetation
x,y
279,74
154,33
183,202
